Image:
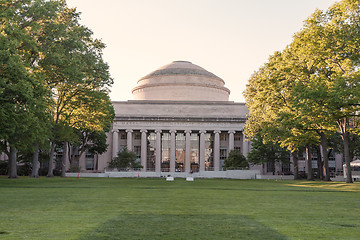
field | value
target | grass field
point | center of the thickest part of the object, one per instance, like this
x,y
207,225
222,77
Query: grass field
x,y
88,208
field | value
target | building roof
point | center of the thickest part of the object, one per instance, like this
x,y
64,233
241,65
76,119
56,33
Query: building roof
x,y
181,81
181,68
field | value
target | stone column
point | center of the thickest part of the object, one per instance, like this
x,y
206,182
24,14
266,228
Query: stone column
x,y
245,146
172,150
231,140
158,151
202,151
217,150
143,149
115,143
129,140
187,151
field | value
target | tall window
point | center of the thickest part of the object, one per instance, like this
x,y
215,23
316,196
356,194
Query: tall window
x,y
223,156
137,151
209,142
194,152
237,136
123,135
137,135
180,152
150,161
89,161
223,136
165,154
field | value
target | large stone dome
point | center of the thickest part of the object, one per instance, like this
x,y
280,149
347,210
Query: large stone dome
x,y
181,81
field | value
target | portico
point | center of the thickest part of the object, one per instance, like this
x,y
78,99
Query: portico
x,y
180,143
195,157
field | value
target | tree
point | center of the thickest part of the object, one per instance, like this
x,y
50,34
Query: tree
x,y
93,142
312,87
273,117
332,40
125,160
268,152
22,92
58,77
236,160
78,77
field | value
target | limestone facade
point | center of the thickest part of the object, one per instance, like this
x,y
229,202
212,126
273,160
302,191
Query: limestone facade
x,y
180,121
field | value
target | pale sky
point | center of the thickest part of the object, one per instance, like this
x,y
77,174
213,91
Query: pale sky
x,y
230,38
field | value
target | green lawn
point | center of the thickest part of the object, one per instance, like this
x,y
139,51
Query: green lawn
x,y
106,208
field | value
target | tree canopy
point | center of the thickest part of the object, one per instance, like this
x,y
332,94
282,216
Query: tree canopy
x,y
53,80
125,159
311,89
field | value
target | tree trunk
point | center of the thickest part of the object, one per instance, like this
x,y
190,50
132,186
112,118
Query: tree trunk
x,y
310,176
319,163
345,136
343,126
96,163
63,159
296,164
325,157
35,163
12,163
51,161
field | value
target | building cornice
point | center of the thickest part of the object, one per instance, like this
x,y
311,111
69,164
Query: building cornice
x,y
177,119
166,102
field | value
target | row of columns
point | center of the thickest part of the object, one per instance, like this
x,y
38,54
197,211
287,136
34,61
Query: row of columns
x,y
216,149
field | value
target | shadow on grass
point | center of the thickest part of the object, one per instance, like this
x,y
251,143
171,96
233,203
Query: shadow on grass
x,y
167,226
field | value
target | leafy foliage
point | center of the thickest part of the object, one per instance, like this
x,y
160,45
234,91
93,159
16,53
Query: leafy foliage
x,y
236,160
53,80
267,152
125,159
311,89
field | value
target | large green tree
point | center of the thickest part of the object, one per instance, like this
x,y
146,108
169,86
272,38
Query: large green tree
x,y
61,81
78,77
23,96
312,87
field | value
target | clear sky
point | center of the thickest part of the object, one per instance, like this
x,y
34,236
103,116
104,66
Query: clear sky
x,y
230,38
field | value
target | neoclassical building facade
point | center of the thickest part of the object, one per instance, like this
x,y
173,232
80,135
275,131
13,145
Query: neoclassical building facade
x,y
181,120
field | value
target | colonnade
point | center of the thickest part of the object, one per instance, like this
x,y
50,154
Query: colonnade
x,y
158,132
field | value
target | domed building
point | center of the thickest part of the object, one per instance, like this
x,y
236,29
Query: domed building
x,y
181,120
181,81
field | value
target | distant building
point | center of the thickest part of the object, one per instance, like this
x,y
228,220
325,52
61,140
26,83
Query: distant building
x,y
180,121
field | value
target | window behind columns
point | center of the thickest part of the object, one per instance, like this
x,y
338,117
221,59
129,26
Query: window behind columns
x,y
223,155
123,135
122,140
224,146
237,136
137,151
165,154
223,136
137,135
180,152
238,141
137,144
209,143
150,161
194,152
